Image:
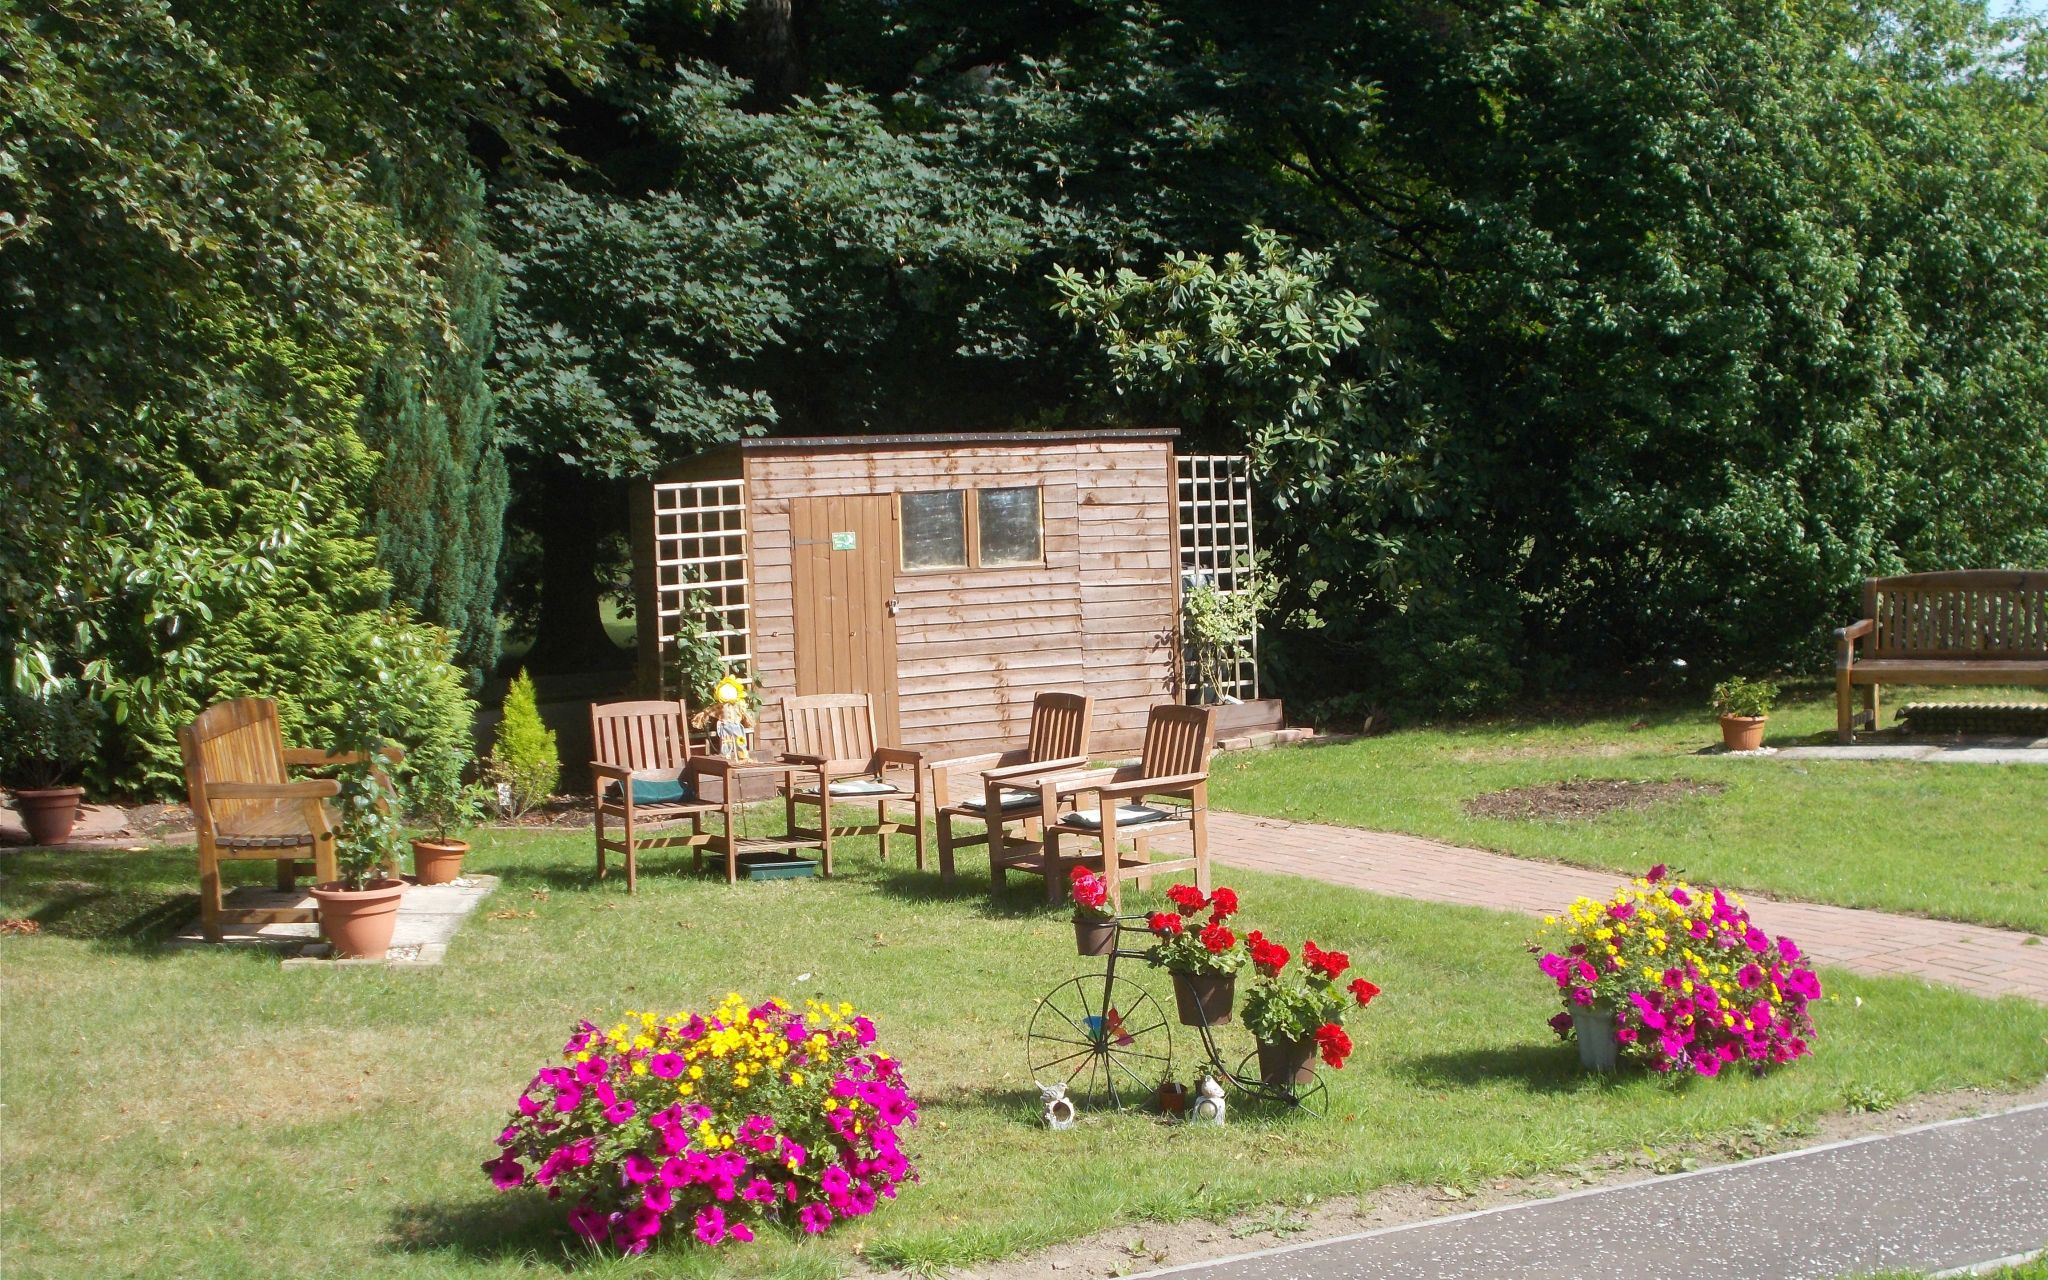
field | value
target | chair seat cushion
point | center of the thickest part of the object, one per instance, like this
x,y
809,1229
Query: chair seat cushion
x,y
1012,799
859,787
1127,815
654,790
295,841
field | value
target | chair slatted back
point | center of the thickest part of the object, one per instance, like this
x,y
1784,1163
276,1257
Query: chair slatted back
x,y
1060,724
839,727
1973,613
1177,740
234,741
644,737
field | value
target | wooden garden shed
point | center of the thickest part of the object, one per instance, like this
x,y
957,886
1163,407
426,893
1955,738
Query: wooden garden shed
x,y
950,576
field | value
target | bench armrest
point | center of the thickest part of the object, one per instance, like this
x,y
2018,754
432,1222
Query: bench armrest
x,y
1846,638
310,789
616,772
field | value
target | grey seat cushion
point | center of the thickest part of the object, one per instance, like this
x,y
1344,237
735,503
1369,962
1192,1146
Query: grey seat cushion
x,y
1012,799
1127,815
846,788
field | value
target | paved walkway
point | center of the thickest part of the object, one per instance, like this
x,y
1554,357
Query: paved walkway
x,y
429,917
1994,962
1940,1197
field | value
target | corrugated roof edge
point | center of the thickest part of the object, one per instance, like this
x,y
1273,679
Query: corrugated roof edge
x,y
759,444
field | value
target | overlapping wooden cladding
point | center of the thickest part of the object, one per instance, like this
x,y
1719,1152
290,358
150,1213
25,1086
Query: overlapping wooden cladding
x,y
973,645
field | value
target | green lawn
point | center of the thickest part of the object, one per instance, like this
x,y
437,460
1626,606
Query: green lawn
x,y
1963,842
209,1113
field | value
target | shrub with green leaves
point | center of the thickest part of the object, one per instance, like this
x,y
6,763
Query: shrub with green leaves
x,y
525,757
46,737
1740,696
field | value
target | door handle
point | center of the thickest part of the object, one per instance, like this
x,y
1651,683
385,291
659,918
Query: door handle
x,y
892,606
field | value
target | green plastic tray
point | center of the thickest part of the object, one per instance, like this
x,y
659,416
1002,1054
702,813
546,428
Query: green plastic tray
x,y
769,866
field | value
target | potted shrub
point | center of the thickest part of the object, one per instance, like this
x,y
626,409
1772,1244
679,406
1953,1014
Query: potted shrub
x,y
46,739
1203,959
1677,978
440,801
1295,1015
1094,927
359,911
1744,705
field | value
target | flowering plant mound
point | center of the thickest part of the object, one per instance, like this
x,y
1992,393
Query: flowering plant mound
x,y
1694,985
1306,1001
712,1124
1091,895
1188,947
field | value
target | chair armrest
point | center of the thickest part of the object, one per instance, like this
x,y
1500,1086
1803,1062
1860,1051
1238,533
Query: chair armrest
x,y
897,755
1846,638
1152,786
310,789
718,765
1035,768
616,772
1092,780
791,757
962,764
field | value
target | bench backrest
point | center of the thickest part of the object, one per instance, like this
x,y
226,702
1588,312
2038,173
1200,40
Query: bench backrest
x,y
1965,613
233,741
641,736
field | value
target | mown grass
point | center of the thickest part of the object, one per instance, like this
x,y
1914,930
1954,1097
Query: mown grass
x,y
1962,842
207,1113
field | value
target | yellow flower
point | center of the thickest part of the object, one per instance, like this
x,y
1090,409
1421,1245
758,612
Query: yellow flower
x,y
639,1067
831,1105
796,1078
685,1089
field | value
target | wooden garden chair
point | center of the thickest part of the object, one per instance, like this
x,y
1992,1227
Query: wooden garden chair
x,y
1058,740
646,776
1174,765
245,808
835,734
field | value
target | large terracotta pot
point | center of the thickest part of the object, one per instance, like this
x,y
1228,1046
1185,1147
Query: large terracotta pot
x,y
1287,1062
1204,998
1743,733
359,921
437,861
1094,937
48,812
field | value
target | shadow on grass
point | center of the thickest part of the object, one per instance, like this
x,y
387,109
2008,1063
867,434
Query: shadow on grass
x,y
1537,1068
130,902
521,1226
1022,898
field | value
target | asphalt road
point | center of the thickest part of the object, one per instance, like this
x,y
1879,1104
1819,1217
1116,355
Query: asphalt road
x,y
1930,1199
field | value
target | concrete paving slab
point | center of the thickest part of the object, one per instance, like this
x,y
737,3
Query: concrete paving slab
x,y
1940,1197
2025,752
429,917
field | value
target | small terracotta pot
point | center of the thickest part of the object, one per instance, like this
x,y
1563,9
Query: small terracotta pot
x,y
1742,733
1094,937
1287,1062
48,812
1173,1099
359,922
1204,998
437,861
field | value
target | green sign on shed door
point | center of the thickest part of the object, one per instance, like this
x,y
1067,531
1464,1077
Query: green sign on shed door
x,y
843,541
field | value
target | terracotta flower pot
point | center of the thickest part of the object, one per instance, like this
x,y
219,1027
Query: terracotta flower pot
x,y
1287,1062
48,812
437,861
1094,937
1742,733
1173,1099
1204,998
359,921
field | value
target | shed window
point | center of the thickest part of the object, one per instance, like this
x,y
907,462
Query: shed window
x,y
1008,526
935,529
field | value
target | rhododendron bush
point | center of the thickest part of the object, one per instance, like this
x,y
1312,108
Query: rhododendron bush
x,y
1694,985
710,1125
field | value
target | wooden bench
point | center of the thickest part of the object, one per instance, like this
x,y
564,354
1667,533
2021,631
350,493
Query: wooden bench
x,y
1964,627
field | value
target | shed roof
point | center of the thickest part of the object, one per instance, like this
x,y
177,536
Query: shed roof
x,y
935,439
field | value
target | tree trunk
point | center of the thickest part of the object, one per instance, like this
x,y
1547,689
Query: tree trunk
x,y
571,517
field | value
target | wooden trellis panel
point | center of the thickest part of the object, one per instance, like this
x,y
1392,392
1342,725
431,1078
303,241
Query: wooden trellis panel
x,y
1215,493
700,550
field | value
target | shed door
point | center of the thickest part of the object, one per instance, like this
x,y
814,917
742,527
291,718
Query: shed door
x,y
843,574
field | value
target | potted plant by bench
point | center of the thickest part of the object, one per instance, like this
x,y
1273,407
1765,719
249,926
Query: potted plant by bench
x,y
1202,957
1296,1014
437,799
359,909
1744,705
46,739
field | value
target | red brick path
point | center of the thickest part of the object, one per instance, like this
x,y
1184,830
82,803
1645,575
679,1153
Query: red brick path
x,y
1994,962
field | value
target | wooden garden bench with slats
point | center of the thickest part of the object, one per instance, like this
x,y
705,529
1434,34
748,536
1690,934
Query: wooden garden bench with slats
x,y
1964,627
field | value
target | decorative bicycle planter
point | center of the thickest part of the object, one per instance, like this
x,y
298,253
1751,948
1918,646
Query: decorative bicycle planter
x,y
1109,1041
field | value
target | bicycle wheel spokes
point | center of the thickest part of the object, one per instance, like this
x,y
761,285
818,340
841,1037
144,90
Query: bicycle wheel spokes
x,y
1106,1039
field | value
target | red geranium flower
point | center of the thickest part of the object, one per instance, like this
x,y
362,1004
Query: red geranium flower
x,y
1090,890
1164,923
1269,958
1331,964
1187,898
1363,991
1217,938
1224,903
1334,1044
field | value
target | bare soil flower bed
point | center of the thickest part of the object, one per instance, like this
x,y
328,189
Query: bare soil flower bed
x,y
1579,798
